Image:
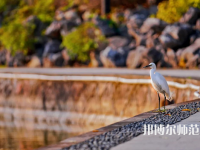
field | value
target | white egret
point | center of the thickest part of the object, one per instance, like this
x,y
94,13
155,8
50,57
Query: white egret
x,y
159,83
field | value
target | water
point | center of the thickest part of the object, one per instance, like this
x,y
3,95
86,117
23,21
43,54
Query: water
x,y
28,132
12,138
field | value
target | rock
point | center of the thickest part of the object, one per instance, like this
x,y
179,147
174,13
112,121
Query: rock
x,y
190,54
153,9
154,55
190,16
171,58
67,26
198,24
53,31
3,58
53,59
141,10
112,58
18,60
123,31
168,41
117,17
39,26
95,60
53,55
107,28
52,46
139,38
155,24
127,14
73,16
137,20
194,36
176,35
34,62
59,15
116,42
135,57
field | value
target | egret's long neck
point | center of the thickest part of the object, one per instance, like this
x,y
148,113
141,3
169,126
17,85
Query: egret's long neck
x,y
152,71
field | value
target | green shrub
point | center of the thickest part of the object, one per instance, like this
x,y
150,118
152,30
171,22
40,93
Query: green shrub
x,y
172,10
15,33
82,40
17,37
44,10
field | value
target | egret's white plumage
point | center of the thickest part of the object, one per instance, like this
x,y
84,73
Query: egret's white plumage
x,y
159,83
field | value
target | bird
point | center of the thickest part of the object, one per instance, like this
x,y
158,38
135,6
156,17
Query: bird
x,y
159,83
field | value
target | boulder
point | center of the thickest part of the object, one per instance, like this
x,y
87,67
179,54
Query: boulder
x,y
141,10
137,20
53,31
135,58
95,60
34,62
54,59
116,42
194,36
18,60
113,58
171,58
155,24
191,50
123,31
106,26
52,47
190,16
127,14
198,24
67,26
3,58
168,41
154,55
39,26
73,16
176,35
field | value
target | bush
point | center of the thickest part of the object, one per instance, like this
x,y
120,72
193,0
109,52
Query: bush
x,y
82,40
172,10
17,37
16,34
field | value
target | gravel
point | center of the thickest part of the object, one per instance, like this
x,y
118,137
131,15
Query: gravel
x,y
127,132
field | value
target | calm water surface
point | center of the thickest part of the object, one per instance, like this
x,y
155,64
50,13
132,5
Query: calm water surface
x,y
13,138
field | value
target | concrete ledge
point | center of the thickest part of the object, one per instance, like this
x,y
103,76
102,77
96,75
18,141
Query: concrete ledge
x,y
87,136
102,71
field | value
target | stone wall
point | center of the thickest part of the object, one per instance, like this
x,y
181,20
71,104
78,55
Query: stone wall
x,y
119,100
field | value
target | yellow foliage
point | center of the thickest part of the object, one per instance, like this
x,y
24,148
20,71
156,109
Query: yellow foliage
x,y
172,10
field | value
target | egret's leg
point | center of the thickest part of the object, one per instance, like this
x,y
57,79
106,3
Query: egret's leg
x,y
165,101
159,101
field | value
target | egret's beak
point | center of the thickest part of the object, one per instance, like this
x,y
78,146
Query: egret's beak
x,y
147,66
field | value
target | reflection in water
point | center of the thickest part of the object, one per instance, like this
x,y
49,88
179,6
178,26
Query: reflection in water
x,y
12,138
23,129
